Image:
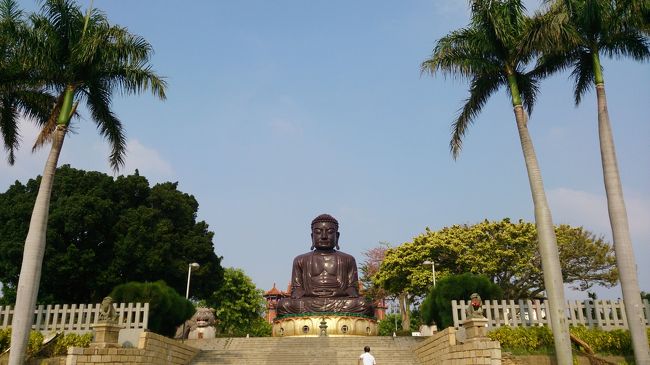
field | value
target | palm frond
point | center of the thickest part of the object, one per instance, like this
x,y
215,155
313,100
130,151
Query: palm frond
x,y
628,42
482,87
35,104
583,75
10,12
9,128
462,53
136,79
99,102
47,129
528,88
550,32
550,63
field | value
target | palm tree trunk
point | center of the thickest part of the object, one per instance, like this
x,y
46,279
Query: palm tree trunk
x,y
547,246
406,312
621,233
30,270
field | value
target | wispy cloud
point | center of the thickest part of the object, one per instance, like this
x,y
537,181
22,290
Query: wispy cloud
x,y
82,153
590,210
147,160
28,164
285,128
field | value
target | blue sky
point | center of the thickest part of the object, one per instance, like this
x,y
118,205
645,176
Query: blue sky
x,y
280,111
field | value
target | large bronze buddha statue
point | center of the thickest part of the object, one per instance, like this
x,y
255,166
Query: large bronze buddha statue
x,y
324,280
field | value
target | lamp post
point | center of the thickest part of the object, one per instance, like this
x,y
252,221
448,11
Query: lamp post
x,y
189,273
187,292
433,270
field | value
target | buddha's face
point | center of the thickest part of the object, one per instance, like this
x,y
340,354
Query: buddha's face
x,y
324,235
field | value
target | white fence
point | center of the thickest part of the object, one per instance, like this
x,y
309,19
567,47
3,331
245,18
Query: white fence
x,y
79,318
604,314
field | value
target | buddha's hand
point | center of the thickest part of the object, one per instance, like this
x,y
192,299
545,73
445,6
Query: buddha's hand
x,y
352,292
297,293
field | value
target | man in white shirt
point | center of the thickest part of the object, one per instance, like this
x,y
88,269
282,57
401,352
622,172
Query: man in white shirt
x,y
366,358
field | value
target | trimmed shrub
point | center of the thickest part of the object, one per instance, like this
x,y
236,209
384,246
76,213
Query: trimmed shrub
x,y
615,342
167,308
540,339
58,348
61,345
523,339
5,338
436,307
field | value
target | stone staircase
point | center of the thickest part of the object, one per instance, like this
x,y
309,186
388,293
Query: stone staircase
x,y
304,350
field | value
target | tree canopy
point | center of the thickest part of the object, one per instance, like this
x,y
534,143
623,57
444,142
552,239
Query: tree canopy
x,y
103,232
504,251
239,306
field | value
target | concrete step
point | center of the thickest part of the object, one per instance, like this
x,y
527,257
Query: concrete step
x,y
304,350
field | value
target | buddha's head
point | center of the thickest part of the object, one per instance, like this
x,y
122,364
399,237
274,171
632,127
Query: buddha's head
x,y
325,232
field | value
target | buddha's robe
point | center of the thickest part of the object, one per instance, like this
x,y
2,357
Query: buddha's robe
x,y
324,281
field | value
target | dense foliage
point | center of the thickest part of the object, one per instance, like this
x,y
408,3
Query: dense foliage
x,y
239,306
436,307
504,251
58,348
103,232
540,339
35,340
167,308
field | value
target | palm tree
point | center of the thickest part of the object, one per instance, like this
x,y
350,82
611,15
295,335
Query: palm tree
x,y
613,29
492,53
19,95
80,58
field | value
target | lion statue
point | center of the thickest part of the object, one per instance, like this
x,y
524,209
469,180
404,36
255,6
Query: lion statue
x,y
475,307
107,313
199,326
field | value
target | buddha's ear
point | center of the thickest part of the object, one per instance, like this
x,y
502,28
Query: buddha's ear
x,y
338,234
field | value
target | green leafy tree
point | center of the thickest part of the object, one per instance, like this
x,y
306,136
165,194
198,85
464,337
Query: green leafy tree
x,y
167,308
391,323
239,306
611,28
492,52
104,232
503,251
436,307
81,58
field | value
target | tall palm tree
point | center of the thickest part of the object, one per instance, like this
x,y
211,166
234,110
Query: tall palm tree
x,y
613,29
80,58
19,94
492,52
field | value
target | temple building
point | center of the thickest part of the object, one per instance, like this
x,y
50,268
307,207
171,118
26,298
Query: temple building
x,y
272,296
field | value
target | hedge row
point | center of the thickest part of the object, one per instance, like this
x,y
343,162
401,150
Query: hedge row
x,y
538,339
58,348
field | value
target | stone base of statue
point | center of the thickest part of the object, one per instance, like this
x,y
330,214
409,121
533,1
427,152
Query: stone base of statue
x,y
105,335
475,329
202,332
336,325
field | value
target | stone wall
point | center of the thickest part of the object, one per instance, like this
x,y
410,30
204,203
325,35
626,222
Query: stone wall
x,y
152,349
444,348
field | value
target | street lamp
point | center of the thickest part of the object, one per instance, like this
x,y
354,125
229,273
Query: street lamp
x,y
189,273
187,292
433,270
